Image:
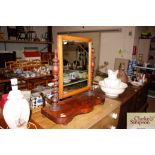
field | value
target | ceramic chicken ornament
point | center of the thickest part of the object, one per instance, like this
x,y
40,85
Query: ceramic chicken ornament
x,y
16,110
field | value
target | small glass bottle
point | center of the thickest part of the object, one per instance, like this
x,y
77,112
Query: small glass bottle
x,y
140,60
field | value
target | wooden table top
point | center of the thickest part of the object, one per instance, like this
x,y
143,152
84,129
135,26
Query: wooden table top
x,y
131,91
82,121
85,121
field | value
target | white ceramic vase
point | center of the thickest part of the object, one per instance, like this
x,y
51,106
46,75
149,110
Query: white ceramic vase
x,y
16,110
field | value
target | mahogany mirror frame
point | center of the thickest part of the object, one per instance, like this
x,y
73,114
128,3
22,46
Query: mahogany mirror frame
x,y
60,39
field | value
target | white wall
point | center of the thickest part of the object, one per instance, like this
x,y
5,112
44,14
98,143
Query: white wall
x,y
70,56
94,35
126,39
116,45
57,29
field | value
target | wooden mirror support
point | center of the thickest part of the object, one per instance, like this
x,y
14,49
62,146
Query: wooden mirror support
x,y
63,107
55,106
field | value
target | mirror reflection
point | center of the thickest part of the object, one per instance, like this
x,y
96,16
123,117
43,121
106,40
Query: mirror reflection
x,y
75,59
75,65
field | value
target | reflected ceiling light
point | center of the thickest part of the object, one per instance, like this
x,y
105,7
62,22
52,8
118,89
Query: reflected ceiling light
x,y
65,42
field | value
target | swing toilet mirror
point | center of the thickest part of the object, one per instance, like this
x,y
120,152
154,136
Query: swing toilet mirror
x,y
75,59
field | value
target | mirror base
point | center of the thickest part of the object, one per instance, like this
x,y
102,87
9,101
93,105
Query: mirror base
x,y
79,104
55,107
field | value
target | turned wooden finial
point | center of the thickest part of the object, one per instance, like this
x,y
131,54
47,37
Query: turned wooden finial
x,y
55,106
93,65
90,92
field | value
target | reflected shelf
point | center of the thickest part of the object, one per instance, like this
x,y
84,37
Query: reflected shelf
x,y
75,82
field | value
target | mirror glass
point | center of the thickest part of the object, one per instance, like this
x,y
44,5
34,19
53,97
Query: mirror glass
x,y
74,65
